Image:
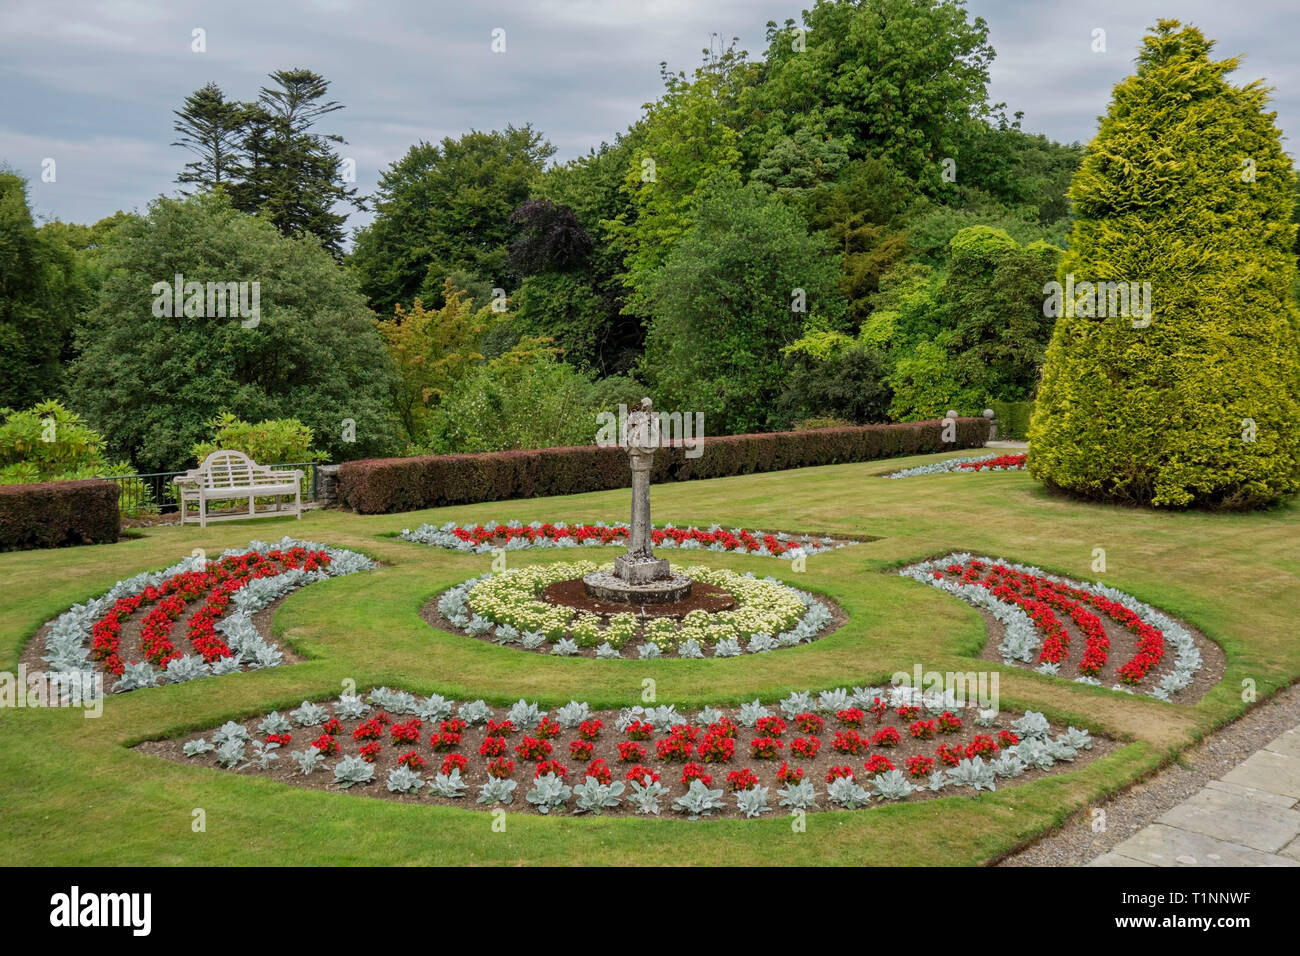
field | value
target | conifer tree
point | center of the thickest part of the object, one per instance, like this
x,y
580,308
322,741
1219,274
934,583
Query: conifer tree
x,y
1185,187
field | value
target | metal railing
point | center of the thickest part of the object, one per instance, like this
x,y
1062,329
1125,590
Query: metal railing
x,y
154,491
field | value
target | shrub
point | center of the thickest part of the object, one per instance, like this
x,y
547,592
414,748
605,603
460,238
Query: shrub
x,y
57,513
1198,405
1013,419
376,486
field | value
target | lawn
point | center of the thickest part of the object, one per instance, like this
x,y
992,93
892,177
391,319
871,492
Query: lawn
x,y
75,793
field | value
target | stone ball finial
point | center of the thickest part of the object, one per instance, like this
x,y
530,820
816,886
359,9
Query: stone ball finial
x,y
989,414
952,413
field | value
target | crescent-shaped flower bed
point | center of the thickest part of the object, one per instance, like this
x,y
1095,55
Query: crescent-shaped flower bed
x,y
511,608
835,750
131,632
513,535
1073,628
963,465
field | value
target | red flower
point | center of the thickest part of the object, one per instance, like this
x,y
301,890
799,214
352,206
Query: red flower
x,y
741,780
457,762
493,747
789,775
848,742
879,763
695,771
851,717
532,748
809,723
370,751
590,729
885,737
805,747
642,775
600,771
836,772
629,751
919,766
550,766
771,726
501,768
764,748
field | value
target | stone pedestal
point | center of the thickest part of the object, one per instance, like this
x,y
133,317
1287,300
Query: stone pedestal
x,y
639,577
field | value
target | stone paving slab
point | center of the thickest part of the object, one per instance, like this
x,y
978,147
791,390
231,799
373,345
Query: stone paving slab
x,y
1270,771
1114,859
1287,743
1161,845
1235,819
1263,796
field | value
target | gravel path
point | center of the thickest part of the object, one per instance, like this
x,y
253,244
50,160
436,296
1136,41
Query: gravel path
x,y
1127,813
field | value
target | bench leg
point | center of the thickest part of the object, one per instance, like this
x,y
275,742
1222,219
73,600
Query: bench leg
x,y
252,506
297,502
203,510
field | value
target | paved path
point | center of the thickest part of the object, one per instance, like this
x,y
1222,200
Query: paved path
x,y
1247,817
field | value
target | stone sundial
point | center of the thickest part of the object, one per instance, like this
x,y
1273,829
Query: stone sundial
x,y
639,577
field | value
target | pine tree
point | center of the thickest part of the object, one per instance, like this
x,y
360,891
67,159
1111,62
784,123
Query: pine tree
x,y
304,178
209,125
1186,187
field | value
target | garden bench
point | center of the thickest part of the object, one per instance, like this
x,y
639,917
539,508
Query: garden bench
x,y
232,474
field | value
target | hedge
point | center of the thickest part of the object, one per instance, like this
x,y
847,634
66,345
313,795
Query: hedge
x,y
55,513
1013,419
380,485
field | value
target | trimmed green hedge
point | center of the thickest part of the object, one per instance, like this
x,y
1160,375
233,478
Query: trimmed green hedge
x,y
55,513
1013,419
380,485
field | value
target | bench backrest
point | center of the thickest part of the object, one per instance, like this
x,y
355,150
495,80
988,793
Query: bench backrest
x,y
226,469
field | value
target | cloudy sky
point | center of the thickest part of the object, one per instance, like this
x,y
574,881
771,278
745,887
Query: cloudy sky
x,y
92,85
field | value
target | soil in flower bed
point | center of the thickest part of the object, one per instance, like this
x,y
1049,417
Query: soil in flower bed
x,y
131,649
703,597
434,618
605,747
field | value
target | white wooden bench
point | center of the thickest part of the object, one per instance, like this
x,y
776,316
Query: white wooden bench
x,y
227,475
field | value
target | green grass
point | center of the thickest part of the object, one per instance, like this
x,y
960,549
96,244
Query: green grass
x,y
75,793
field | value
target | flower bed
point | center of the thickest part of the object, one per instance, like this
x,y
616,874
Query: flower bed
x,y
742,761
485,538
964,464
1136,644
507,609
220,597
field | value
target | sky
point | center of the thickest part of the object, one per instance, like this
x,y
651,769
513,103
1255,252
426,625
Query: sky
x,y
93,85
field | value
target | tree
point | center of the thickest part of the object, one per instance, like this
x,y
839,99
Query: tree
x,y
727,301
1185,187
444,208
301,170
268,156
431,350
893,79
581,308
690,139
210,126
550,237
993,297
38,298
153,383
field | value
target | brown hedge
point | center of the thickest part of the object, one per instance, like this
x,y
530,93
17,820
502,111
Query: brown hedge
x,y
379,485
56,513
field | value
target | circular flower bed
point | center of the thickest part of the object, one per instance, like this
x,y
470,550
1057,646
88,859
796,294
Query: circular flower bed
x,y
1043,617
218,598
839,749
485,538
508,608
966,464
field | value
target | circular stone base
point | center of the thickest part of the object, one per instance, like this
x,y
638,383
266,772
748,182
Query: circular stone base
x,y
604,586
